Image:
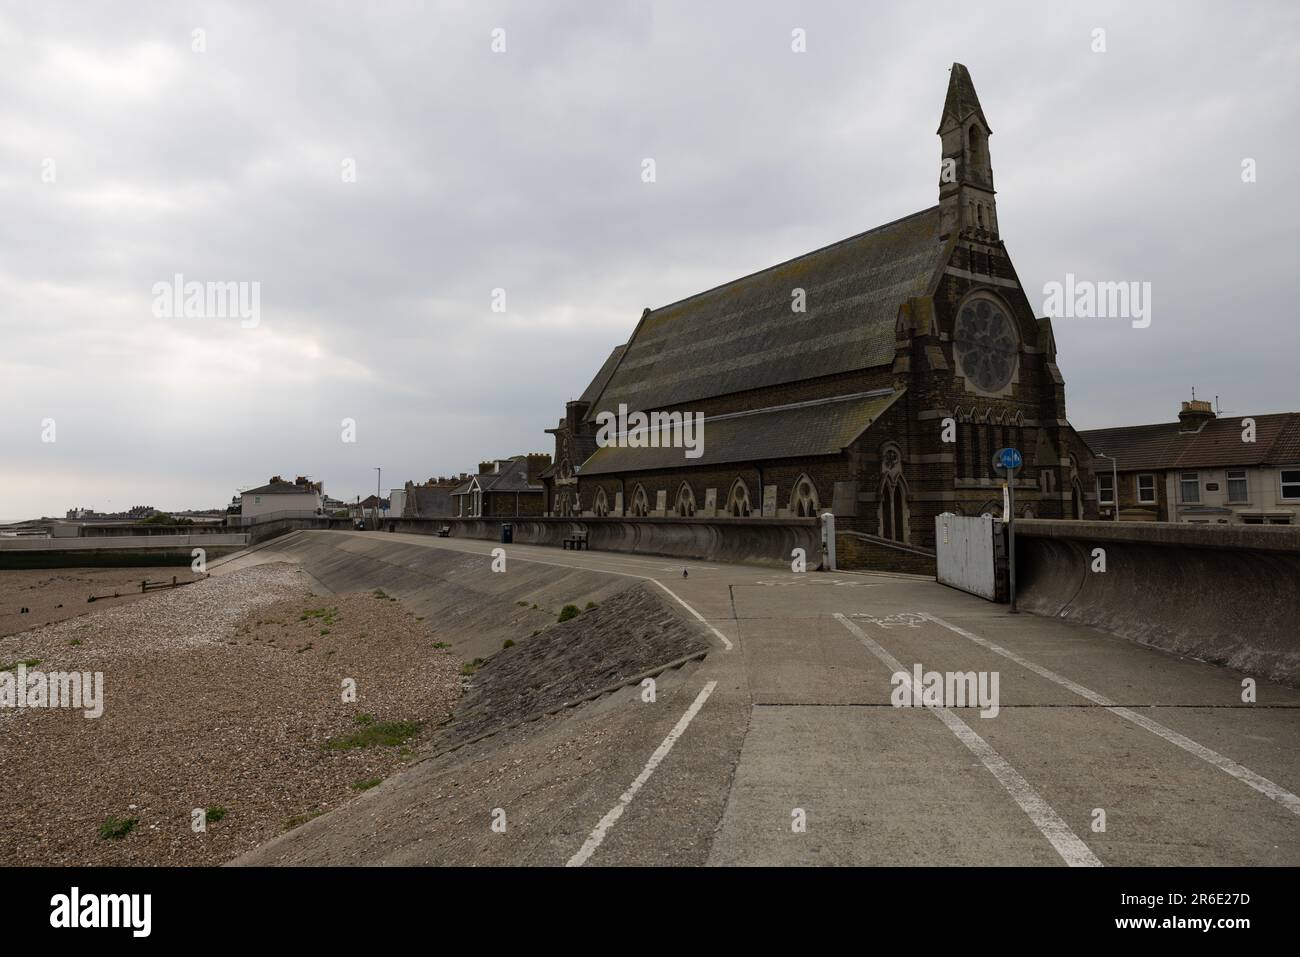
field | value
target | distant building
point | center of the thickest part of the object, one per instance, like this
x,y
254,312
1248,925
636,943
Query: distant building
x,y
1201,469
300,498
503,488
367,505
430,500
396,502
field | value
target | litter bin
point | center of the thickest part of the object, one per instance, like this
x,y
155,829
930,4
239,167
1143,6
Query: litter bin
x,y
507,533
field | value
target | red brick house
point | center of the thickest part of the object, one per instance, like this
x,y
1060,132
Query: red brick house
x,y
1201,469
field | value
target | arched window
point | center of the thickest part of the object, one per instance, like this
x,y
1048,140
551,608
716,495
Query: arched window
x,y
976,147
893,515
738,500
640,503
803,498
567,501
685,501
600,505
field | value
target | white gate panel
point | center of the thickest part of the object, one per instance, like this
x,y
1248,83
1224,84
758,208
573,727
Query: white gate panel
x,y
966,553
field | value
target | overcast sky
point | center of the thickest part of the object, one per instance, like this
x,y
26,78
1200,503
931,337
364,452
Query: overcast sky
x,y
127,156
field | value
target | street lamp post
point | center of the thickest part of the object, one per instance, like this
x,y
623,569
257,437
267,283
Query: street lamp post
x,y
379,476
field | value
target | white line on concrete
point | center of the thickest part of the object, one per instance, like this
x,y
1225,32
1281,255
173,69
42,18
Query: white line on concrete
x,y
1244,774
1073,851
721,637
602,827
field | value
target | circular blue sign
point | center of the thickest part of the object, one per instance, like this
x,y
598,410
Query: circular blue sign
x,y
1010,458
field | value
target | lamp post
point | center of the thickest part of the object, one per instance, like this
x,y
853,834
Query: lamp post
x,y
379,476
1114,485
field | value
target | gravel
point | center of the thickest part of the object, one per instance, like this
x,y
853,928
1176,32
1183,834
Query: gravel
x,y
222,694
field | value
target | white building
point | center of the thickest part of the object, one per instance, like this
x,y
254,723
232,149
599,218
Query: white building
x,y
281,499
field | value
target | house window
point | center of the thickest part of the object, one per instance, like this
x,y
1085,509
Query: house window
x,y
1147,489
1189,487
257,500
1290,485
1106,488
1237,485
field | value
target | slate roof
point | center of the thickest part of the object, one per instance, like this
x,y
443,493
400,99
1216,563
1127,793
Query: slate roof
x,y
1218,444
744,334
822,427
597,385
282,488
512,479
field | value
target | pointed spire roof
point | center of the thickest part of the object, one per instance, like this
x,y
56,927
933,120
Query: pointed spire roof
x,y
961,102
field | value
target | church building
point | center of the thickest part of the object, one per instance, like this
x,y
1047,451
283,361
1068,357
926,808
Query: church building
x,y
873,378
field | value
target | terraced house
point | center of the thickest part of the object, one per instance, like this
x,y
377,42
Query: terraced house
x,y
503,488
1202,469
873,378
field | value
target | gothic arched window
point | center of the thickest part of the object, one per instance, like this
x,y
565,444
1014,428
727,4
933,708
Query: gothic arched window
x,y
600,505
640,503
892,518
803,498
738,500
976,137
685,501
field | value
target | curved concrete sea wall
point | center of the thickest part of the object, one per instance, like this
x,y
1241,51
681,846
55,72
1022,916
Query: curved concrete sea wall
x,y
1224,594
748,541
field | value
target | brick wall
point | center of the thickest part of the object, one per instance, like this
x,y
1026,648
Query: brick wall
x,y
870,553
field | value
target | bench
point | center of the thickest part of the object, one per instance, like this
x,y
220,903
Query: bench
x,y
577,541
444,532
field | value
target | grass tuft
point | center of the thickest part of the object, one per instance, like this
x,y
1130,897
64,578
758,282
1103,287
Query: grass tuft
x,y
114,829
385,734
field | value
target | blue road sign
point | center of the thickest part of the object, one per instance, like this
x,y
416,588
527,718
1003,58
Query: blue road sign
x,y
1010,458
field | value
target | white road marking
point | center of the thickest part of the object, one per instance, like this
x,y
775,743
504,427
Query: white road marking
x,y
1210,756
1073,851
602,827
721,637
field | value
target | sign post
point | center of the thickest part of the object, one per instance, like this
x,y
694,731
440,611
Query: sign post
x,y
1008,461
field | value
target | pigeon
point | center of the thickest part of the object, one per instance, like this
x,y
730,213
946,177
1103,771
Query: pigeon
x,y
684,575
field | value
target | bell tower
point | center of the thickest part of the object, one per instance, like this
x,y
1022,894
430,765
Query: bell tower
x,y
966,202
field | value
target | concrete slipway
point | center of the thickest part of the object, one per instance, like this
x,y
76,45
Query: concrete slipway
x,y
788,717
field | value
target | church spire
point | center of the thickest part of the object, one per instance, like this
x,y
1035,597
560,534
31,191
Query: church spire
x,y
966,192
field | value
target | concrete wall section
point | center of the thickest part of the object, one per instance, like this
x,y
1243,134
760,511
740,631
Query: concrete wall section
x,y
1224,594
765,542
